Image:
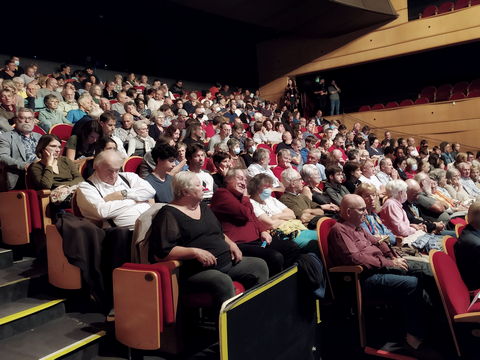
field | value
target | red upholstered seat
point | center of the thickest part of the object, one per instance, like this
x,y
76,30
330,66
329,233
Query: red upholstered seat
x,y
378,107
460,87
429,93
474,2
461,4
38,130
474,93
391,104
430,10
445,7
323,227
457,96
448,244
132,164
63,131
364,108
459,228
422,100
406,102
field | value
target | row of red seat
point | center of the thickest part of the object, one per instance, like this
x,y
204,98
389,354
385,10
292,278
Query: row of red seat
x,y
445,92
446,7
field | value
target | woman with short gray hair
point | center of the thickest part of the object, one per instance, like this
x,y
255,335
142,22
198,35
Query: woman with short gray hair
x,y
261,159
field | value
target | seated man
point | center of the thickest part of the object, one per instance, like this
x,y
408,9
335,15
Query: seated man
x,y
333,187
430,208
385,276
313,158
164,156
111,196
7,109
195,156
387,173
17,149
284,159
467,249
368,175
233,209
299,199
467,183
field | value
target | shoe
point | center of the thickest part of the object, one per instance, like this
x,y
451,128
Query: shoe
x,y
110,316
423,352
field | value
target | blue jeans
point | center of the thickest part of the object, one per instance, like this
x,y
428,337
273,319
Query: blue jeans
x,y
334,106
405,290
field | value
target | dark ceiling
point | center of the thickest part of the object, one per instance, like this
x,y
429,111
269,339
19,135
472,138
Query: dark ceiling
x,y
208,40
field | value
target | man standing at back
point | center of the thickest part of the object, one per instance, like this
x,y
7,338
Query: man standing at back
x,y
17,148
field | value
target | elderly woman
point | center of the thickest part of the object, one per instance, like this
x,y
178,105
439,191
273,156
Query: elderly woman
x,y
142,143
455,188
187,230
392,212
50,115
235,212
311,177
155,130
439,190
261,159
372,223
53,170
234,151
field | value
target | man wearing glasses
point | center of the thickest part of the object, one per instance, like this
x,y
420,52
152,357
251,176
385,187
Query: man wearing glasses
x,y
17,149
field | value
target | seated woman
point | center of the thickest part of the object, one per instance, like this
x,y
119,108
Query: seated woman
x,y
372,223
83,146
223,163
261,159
155,130
142,143
311,177
234,151
187,230
352,173
239,222
392,213
50,115
455,188
53,170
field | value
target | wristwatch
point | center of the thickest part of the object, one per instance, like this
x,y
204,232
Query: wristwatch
x,y
124,193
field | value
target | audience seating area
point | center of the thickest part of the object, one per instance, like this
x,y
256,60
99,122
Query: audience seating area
x,y
446,7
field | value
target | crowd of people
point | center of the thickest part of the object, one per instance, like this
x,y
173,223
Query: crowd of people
x,y
245,180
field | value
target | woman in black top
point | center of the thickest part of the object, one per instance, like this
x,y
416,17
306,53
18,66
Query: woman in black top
x,y
352,173
187,230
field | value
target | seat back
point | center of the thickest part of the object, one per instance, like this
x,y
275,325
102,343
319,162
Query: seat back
x,y
460,87
378,107
422,100
406,102
15,218
445,7
364,108
39,130
457,96
61,273
430,10
132,164
458,229
62,131
448,246
323,229
391,105
461,4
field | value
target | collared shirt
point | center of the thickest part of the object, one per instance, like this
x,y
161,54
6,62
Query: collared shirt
x,y
66,106
373,180
395,218
350,245
75,115
125,212
374,225
30,145
383,177
470,187
255,169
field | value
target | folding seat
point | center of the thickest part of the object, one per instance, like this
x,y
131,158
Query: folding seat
x,y
456,299
430,10
364,108
458,229
448,246
474,93
406,102
445,7
132,163
457,96
429,92
461,4
378,107
461,87
422,100
474,2
474,85
62,131
391,105
38,130
442,95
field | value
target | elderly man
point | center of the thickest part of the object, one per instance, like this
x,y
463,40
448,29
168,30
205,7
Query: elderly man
x,y
430,208
299,199
17,148
33,101
7,109
69,102
286,142
467,249
156,100
125,132
112,197
51,86
368,175
387,173
313,158
221,138
384,276
467,183
119,106
85,106
339,144
284,159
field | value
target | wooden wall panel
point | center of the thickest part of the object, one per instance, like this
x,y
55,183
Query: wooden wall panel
x,y
446,121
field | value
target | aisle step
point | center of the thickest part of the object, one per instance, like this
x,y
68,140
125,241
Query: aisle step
x,y
6,258
73,336
27,313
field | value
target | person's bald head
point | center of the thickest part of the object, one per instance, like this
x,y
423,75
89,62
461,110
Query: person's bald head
x,y
107,165
413,190
474,215
353,209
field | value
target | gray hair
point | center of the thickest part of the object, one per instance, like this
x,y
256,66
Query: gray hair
x,y
182,182
395,187
232,172
451,172
107,155
137,124
85,96
288,175
437,174
260,154
309,171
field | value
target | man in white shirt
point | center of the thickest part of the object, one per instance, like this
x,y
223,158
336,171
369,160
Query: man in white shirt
x,y
113,197
156,100
368,175
108,121
387,173
195,156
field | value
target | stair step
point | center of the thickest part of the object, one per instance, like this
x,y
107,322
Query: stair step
x,y
21,279
73,336
27,313
6,258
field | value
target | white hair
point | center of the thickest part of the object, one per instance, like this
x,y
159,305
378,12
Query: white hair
x,y
181,182
309,171
395,187
258,116
288,175
106,156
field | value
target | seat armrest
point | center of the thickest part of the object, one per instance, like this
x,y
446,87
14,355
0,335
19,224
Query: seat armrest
x,y
473,317
44,193
357,269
